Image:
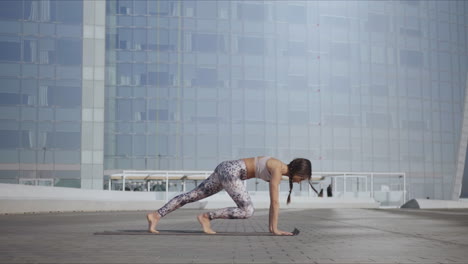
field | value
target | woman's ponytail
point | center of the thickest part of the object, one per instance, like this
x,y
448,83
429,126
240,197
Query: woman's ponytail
x,y
290,190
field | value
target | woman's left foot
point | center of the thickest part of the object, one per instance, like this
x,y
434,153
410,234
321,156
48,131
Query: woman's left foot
x,y
153,219
205,222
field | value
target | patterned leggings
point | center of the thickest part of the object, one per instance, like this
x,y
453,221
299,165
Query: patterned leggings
x,y
228,176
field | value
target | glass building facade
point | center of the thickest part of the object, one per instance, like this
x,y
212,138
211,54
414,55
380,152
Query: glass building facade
x,y
40,90
352,85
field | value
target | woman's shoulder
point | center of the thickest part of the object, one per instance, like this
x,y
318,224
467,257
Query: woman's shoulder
x,y
273,163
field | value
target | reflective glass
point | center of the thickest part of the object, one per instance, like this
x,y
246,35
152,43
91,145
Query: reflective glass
x,y
69,51
11,9
70,12
249,73
10,49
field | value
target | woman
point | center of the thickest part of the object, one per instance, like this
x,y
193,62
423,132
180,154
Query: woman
x,y
229,176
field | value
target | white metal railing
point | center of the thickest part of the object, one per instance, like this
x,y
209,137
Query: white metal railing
x,y
36,182
387,188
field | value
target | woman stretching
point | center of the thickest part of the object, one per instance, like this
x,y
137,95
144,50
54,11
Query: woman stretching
x,y
229,176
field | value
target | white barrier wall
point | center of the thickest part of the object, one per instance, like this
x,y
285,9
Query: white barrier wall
x,y
435,204
16,198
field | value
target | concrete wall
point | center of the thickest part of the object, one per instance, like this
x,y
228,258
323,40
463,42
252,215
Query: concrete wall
x,y
92,123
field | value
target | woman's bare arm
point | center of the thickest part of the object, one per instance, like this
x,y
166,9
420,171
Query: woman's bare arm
x,y
274,202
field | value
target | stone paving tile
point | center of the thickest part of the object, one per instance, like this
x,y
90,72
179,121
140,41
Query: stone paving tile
x,y
327,236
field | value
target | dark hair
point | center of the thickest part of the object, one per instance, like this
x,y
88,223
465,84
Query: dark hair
x,y
299,167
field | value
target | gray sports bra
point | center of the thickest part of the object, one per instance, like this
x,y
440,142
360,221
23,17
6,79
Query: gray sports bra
x,y
261,171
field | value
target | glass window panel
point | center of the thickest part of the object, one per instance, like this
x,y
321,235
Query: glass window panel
x,y
207,146
162,147
67,157
8,89
139,56
63,114
30,50
9,112
124,7
47,71
296,14
296,48
140,7
124,91
251,45
377,23
124,38
47,29
70,12
139,21
28,156
11,9
159,40
69,72
139,145
124,56
30,28
10,27
206,9
255,12
207,42
125,21
10,48
47,51
69,52
10,139
67,174
11,98
411,58
39,10
64,140
206,77
340,84
70,183
8,156
124,109
69,31
162,8
63,96
139,74
207,108
139,39
124,73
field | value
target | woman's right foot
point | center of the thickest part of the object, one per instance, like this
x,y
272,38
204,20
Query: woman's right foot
x,y
153,219
205,222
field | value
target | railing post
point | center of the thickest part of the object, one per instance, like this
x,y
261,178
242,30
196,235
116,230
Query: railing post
x,y
123,182
334,185
365,189
404,188
167,186
372,185
344,185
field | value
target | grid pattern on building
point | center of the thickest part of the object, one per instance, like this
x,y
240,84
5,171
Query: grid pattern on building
x,y
40,90
351,85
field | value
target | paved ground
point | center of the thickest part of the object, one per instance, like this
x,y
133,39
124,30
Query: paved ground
x,y
327,236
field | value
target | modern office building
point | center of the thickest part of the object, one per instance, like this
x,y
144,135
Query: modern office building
x,y
88,88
